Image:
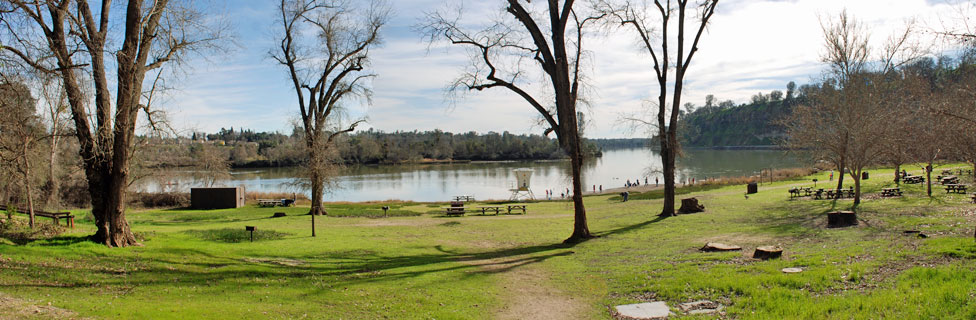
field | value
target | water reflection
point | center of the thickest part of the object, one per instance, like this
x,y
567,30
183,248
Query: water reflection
x,y
492,180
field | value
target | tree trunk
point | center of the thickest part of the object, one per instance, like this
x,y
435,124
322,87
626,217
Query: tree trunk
x,y
668,158
856,175
840,173
52,178
898,174
317,191
928,177
581,230
27,185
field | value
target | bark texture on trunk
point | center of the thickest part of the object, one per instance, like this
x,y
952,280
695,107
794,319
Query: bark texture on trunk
x,y
668,157
840,173
581,230
898,174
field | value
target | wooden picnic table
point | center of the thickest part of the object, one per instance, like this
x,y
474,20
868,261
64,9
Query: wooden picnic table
x,y
818,194
485,209
957,188
890,192
452,211
268,202
913,179
516,207
950,180
463,198
794,192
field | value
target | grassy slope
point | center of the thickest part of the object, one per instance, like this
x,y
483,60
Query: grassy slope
x,y
435,267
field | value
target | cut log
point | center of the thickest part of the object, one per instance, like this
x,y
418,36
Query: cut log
x,y
690,205
767,252
840,219
279,215
715,246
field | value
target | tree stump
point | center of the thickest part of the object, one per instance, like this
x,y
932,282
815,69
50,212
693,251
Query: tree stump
x,y
840,219
690,205
279,215
767,252
715,246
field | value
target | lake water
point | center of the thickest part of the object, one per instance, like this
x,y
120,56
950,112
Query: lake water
x,y
493,180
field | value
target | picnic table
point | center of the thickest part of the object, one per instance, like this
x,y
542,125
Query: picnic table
x,y
516,207
818,194
485,209
890,192
913,179
957,188
463,198
268,202
950,180
946,172
794,192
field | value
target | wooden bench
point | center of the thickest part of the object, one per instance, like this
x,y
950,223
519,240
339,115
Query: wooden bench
x,y
56,216
957,188
516,207
891,192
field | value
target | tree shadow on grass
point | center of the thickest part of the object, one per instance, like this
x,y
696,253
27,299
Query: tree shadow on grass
x,y
626,229
339,268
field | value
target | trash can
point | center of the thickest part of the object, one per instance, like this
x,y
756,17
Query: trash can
x,y
864,175
752,188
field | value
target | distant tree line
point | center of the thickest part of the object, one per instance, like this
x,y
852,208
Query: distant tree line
x,y
246,148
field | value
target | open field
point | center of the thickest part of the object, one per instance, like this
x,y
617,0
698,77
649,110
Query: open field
x,y
420,265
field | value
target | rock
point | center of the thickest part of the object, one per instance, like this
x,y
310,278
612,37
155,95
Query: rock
x,y
839,219
700,307
767,252
792,270
279,215
715,246
647,310
690,205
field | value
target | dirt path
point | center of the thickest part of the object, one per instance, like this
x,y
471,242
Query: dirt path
x,y
526,291
13,308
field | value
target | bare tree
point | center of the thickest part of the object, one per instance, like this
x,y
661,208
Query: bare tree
x,y
20,131
327,70
56,109
211,165
849,121
652,23
548,36
69,40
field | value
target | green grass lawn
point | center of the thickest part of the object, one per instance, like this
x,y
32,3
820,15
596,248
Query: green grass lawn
x,y
417,264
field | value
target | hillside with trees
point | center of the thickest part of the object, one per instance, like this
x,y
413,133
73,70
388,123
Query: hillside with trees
x,y
725,124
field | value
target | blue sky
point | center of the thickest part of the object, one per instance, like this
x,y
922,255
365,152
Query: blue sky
x,y
750,47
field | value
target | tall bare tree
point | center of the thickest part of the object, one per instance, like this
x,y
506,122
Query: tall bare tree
x,y
325,46
58,121
69,40
547,38
651,21
20,132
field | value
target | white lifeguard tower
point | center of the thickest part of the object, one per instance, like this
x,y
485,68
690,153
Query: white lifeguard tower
x,y
523,180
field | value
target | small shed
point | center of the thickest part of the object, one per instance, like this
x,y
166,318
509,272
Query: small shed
x,y
217,198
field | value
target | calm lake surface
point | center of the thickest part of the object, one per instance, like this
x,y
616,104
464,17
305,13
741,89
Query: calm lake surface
x,y
493,180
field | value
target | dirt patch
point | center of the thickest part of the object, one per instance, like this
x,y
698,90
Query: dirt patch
x,y
14,308
278,261
527,295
